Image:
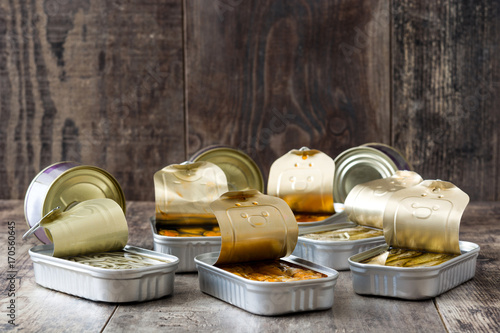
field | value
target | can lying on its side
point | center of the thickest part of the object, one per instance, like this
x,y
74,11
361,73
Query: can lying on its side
x,y
268,298
64,183
412,282
104,284
184,248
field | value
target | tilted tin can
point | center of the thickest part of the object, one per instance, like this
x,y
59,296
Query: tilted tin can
x,y
365,163
241,171
64,183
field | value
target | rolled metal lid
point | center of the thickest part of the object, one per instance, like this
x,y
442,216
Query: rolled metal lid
x,y
254,227
359,165
241,170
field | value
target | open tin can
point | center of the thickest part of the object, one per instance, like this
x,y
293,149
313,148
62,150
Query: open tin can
x,y
422,223
184,224
89,258
258,228
362,164
64,183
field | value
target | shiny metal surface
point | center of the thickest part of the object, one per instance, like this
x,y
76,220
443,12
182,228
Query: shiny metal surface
x,y
359,165
425,217
106,285
412,283
241,171
183,192
366,203
267,298
96,225
254,227
395,155
63,183
184,248
304,179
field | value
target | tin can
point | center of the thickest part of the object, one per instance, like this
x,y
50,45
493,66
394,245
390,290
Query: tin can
x,y
332,253
184,248
365,163
257,227
268,298
241,170
64,183
412,283
104,284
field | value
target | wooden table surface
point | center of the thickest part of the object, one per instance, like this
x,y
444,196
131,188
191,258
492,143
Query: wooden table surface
x,y
472,306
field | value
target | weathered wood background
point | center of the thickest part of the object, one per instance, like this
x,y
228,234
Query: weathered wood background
x,y
132,85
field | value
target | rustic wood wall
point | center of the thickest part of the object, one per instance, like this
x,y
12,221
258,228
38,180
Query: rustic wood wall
x,y
133,85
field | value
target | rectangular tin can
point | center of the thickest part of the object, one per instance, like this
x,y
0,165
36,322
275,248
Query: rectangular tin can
x,y
105,285
267,298
184,248
412,283
333,254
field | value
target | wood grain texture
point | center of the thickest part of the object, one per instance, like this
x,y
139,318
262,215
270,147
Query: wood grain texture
x,y
270,76
446,76
95,82
474,306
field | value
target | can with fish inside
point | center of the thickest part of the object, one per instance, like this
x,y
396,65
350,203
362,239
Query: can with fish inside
x,y
358,228
423,257
254,270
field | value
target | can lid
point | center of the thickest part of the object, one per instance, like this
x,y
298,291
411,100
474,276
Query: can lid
x,y
82,183
365,204
395,155
304,179
254,227
425,217
183,192
359,165
241,171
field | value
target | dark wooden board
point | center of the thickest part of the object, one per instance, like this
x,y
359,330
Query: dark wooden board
x,y
445,82
96,82
270,76
475,305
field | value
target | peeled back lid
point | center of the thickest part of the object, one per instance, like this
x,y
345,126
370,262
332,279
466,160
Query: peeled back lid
x,y
254,227
304,179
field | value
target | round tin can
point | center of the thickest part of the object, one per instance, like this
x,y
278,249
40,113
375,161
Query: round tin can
x,y
365,163
241,171
64,183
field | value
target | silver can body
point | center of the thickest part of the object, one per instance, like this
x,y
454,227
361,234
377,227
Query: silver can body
x,y
267,298
412,283
105,285
184,248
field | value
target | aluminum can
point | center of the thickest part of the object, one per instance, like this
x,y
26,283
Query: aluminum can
x,y
241,170
64,183
362,164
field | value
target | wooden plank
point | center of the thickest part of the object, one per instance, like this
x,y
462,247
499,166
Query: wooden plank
x,y
96,82
270,76
38,309
474,306
446,74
